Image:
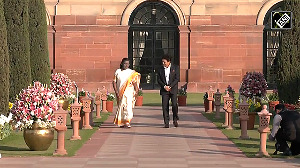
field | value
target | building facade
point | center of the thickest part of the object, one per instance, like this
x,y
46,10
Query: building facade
x,y
215,42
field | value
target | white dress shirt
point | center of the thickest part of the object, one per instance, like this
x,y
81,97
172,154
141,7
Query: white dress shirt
x,y
276,124
167,73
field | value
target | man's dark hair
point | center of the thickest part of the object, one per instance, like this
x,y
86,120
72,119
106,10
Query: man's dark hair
x,y
166,57
280,107
122,62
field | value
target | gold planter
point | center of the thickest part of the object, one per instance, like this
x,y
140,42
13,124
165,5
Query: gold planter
x,y
38,139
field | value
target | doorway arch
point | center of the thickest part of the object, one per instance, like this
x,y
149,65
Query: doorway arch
x,y
153,33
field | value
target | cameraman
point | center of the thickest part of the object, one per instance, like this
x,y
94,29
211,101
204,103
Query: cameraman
x,y
286,127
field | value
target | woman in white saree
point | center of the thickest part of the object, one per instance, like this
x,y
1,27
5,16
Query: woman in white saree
x,y
126,84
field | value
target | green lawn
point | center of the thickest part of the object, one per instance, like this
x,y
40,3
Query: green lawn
x,y
14,145
251,146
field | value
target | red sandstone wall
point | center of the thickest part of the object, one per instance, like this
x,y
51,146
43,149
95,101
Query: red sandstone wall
x,y
222,49
88,50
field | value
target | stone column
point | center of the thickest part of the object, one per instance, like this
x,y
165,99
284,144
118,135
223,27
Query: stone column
x,y
75,110
98,102
244,107
210,99
86,103
264,120
230,109
61,120
218,103
225,109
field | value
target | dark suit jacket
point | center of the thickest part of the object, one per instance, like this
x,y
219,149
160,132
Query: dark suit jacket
x,y
173,79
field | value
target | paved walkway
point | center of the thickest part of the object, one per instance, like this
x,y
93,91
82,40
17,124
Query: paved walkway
x,y
195,143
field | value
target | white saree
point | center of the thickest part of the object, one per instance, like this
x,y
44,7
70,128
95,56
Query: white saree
x,y
124,82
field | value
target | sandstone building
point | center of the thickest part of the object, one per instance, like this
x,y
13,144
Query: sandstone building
x,y
215,42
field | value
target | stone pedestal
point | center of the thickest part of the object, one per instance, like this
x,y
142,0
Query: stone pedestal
x,y
98,103
61,121
86,103
75,110
230,109
210,99
264,120
244,107
225,108
104,99
218,103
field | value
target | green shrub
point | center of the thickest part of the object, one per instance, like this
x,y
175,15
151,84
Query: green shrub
x,y
39,56
16,15
289,55
4,64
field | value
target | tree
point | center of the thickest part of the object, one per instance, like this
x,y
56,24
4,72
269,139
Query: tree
x,y
16,15
4,64
39,56
289,65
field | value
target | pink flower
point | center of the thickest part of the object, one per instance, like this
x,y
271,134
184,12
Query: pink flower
x,y
34,103
61,85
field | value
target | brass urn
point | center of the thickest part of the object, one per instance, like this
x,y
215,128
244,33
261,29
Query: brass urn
x,y
38,139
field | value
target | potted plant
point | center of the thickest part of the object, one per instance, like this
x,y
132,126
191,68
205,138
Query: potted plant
x,y
273,99
139,98
254,88
62,87
110,102
206,102
182,94
33,111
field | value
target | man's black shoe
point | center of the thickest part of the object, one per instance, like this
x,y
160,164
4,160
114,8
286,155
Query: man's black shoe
x,y
166,126
287,152
175,123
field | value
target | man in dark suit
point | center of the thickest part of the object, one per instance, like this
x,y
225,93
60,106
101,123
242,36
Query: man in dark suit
x,y
286,127
168,78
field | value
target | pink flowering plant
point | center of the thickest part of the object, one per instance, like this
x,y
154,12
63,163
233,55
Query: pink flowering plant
x,y
253,85
61,86
37,104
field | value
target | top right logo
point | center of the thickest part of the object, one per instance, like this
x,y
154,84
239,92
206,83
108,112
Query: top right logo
x,y
281,20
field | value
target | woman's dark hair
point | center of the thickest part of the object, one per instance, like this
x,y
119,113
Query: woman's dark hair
x,y
166,57
280,107
122,62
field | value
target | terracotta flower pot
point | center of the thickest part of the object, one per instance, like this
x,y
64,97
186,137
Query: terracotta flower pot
x,y
109,106
206,105
181,100
272,104
251,121
139,101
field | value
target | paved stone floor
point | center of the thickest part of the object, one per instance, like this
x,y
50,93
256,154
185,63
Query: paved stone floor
x,y
195,143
